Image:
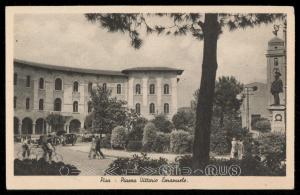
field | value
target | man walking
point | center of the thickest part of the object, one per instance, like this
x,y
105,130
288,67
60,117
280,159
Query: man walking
x,y
98,147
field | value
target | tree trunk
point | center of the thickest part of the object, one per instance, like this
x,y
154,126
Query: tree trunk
x,y
206,93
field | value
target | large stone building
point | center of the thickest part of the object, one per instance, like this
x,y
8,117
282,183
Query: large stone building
x,y
41,89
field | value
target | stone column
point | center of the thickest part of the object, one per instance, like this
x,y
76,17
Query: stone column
x,y
20,128
130,92
174,96
159,89
33,129
35,101
145,91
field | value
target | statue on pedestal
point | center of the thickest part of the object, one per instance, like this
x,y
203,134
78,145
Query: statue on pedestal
x,y
276,88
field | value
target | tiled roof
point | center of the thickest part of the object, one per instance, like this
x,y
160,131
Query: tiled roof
x,y
156,69
68,69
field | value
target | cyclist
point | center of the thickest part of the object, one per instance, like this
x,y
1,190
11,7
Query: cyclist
x,y
25,146
48,148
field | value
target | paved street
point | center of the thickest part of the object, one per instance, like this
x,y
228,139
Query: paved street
x,y
80,160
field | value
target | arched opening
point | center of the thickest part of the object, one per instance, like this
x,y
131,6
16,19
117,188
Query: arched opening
x,y
166,89
58,84
166,108
75,106
138,108
75,86
152,108
57,104
119,89
26,126
138,89
74,126
41,83
16,125
40,126
152,89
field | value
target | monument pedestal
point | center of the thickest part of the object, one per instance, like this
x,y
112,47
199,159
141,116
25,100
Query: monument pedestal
x,y
278,118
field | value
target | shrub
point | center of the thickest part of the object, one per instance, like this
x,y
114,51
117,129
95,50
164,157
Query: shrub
x,y
219,142
149,136
118,137
162,142
162,123
138,126
105,141
180,142
134,145
184,120
263,125
138,164
42,167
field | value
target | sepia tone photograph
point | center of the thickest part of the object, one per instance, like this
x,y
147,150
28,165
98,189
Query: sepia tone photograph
x,y
150,96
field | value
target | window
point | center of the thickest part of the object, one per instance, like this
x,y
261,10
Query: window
x,y
152,108
41,83
75,106
166,108
166,89
90,87
275,61
57,104
119,89
104,86
27,103
41,104
15,102
75,86
90,106
152,89
15,79
138,89
138,108
28,81
58,84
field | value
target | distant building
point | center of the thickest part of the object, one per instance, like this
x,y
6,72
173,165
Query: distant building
x,y
41,89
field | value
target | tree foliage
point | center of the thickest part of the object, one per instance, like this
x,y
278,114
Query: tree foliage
x,y
202,26
56,121
184,120
109,112
162,123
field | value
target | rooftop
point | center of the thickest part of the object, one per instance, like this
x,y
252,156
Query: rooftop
x,y
68,69
153,69
276,40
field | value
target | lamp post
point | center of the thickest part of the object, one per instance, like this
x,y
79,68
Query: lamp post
x,y
246,95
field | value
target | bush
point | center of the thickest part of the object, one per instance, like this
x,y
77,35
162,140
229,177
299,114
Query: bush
x,y
138,164
162,123
134,146
184,120
105,141
42,167
118,137
138,126
149,137
180,142
263,125
162,142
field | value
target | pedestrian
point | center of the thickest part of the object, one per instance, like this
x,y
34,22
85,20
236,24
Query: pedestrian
x,y
25,147
98,148
240,149
93,148
48,148
233,153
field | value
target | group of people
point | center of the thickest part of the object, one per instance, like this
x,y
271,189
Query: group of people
x,y
95,150
46,145
237,149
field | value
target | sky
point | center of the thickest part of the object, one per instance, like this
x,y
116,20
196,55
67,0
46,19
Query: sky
x,y
70,40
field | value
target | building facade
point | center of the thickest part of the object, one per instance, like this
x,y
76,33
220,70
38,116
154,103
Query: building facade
x,y
41,89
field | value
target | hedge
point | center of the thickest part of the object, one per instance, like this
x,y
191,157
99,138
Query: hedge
x,y
149,137
180,142
118,137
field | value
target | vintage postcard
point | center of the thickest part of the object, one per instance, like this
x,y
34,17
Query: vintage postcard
x,y
150,97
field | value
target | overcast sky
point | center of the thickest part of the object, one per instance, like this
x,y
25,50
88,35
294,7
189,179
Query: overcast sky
x,y
70,40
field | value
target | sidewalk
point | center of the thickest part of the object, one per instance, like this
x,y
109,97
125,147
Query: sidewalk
x,y
85,147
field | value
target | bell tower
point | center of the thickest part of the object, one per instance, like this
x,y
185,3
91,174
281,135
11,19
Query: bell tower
x,y
276,81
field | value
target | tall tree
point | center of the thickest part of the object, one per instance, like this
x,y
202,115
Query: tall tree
x,y
225,101
109,112
206,27
56,121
